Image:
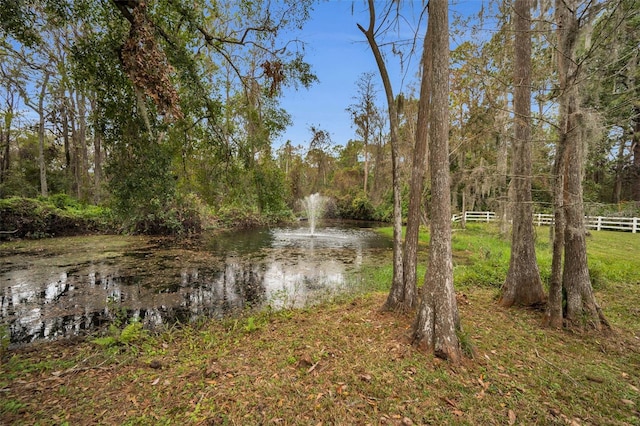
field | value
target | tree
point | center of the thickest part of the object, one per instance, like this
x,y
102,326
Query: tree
x,y
523,285
41,134
7,115
364,114
437,320
613,91
318,157
408,299
570,233
393,302
165,64
480,90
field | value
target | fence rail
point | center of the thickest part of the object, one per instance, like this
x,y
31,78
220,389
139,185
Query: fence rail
x,y
599,223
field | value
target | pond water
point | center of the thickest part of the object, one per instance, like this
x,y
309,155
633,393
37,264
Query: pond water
x,y
68,286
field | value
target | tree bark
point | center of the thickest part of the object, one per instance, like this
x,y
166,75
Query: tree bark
x,y
410,262
619,167
5,139
82,144
554,315
437,319
41,160
97,152
581,307
395,294
523,286
501,167
635,144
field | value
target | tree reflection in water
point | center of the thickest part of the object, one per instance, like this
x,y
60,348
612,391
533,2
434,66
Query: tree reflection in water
x,y
65,287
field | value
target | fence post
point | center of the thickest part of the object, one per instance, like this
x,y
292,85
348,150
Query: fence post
x,y
599,226
488,215
635,225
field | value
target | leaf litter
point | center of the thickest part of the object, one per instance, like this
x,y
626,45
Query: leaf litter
x,y
337,363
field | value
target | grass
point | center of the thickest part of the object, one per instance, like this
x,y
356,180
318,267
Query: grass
x,y
346,362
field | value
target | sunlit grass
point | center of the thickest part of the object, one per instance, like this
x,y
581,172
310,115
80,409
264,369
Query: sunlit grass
x,y
481,255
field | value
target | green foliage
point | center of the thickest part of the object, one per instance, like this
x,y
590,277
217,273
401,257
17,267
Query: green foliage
x,y
58,215
354,205
250,325
5,339
270,188
11,406
105,341
237,216
622,209
143,187
132,334
465,343
63,202
361,208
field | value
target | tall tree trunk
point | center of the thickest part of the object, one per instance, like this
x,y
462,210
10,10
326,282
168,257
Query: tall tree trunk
x,y
409,287
554,315
501,167
64,117
581,306
636,154
437,320
378,166
523,286
97,152
365,149
617,186
41,136
394,126
82,145
5,139
75,143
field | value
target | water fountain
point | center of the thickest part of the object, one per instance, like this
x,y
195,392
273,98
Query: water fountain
x,y
314,205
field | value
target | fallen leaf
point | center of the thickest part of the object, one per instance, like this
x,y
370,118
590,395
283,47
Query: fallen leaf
x,y
155,382
365,377
628,402
512,417
482,383
305,361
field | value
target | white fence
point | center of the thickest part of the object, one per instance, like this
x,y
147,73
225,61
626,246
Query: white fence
x,y
598,223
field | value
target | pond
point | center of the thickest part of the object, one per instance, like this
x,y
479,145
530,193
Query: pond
x,y
64,287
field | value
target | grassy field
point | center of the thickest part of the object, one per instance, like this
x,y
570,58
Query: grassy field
x,y
346,362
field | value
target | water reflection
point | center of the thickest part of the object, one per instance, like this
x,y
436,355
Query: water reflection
x,y
69,286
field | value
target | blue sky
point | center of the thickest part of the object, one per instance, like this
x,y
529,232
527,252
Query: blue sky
x,y
339,54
